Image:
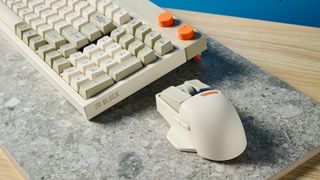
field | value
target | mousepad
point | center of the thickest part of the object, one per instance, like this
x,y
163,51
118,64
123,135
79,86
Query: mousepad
x,y
51,140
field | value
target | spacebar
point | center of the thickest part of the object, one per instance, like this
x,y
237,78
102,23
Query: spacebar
x,y
9,17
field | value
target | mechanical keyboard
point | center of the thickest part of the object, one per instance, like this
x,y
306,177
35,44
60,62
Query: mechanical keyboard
x,y
98,52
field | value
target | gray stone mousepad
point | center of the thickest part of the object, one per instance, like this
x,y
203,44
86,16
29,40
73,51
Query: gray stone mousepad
x,y
51,140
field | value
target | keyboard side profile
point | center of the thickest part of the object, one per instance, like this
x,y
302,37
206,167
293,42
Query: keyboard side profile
x,y
97,52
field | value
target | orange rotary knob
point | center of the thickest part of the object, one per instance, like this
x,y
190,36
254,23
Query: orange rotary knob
x,y
165,19
185,32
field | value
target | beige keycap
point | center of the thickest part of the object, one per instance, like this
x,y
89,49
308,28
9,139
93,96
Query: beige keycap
x,y
91,32
64,11
112,49
174,97
77,80
104,42
142,31
33,3
57,5
111,10
121,17
18,6
102,22
102,5
90,50
117,33
108,64
163,46
79,22
40,8
83,65
35,23
76,57
69,73
36,42
125,69
50,2
55,39
43,29
99,56
60,25
21,29
122,56
80,6
125,40
29,17
10,3
27,35
24,11
46,14
151,38
72,3
53,19
61,64
147,55
133,25
93,72
135,47
52,56
75,37
70,17
95,86
88,11
67,49
45,49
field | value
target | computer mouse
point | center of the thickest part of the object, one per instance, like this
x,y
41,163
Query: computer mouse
x,y
202,120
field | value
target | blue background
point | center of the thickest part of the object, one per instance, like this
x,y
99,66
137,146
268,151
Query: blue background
x,y
301,12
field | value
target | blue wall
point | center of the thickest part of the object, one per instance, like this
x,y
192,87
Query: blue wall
x,y
301,12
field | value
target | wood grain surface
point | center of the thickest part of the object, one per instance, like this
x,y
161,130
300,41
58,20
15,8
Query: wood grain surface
x,y
290,52
8,168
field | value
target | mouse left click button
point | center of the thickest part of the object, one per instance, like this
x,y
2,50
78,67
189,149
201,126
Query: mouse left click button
x,y
174,97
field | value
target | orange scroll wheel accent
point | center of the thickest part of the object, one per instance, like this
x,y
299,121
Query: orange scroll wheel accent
x,y
165,19
209,93
185,32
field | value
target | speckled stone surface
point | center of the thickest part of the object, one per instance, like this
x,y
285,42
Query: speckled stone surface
x,y
51,140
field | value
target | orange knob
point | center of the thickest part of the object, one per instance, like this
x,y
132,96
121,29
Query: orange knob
x,y
185,32
165,19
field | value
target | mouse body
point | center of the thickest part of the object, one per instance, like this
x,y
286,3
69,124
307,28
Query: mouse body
x,y
205,122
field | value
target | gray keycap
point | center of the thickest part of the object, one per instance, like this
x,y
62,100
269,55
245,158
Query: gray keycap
x,y
75,37
36,42
43,50
60,64
55,39
51,56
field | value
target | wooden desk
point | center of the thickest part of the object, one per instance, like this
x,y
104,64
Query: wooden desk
x,y
291,53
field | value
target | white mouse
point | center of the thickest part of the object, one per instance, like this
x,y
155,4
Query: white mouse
x,y
202,120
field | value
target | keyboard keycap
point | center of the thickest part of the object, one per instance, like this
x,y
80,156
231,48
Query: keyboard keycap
x,y
70,72
147,55
77,80
36,42
75,37
76,57
99,56
90,50
102,22
151,38
44,50
133,25
121,17
135,47
91,32
125,69
108,64
142,31
104,42
21,29
117,33
93,87
52,56
67,49
61,64
125,40
55,39
27,35
93,71
111,10
122,56
163,46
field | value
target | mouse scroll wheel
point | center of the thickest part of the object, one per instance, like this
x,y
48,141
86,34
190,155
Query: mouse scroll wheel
x,y
187,89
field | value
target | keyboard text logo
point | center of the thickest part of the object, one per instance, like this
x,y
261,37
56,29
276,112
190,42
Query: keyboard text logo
x,y
107,100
